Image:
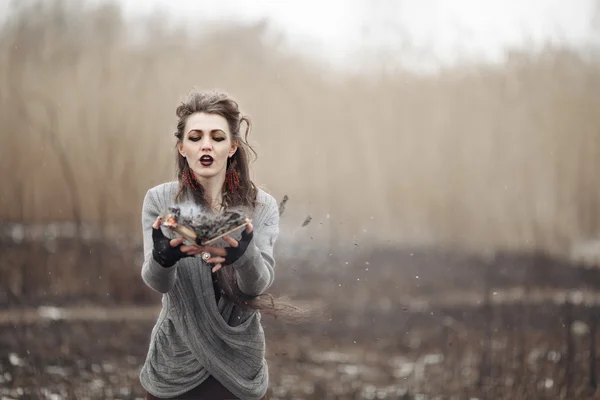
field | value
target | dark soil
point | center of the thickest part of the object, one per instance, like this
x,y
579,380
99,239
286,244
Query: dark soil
x,y
397,324
397,355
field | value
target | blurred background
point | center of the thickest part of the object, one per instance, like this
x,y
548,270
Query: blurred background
x,y
446,152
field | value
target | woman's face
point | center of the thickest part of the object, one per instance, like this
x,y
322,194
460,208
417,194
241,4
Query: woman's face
x,y
207,144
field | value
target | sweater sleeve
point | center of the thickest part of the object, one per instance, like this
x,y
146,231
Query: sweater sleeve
x,y
157,277
255,269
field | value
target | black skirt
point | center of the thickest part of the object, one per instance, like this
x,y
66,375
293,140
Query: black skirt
x,y
210,389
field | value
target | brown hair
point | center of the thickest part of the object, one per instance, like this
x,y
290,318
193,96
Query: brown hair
x,y
216,102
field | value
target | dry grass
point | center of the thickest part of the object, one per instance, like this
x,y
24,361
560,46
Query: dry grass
x,y
479,157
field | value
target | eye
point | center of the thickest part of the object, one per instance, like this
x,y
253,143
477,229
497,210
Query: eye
x,y
194,139
219,139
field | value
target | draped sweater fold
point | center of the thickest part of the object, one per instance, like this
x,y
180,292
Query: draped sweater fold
x,y
194,336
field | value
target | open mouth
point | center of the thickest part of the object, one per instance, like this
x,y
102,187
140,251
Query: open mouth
x,y
206,161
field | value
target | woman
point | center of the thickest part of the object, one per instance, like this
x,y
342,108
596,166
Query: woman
x,y
208,342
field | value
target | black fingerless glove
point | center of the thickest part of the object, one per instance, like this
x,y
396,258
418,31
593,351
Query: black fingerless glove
x,y
163,252
234,253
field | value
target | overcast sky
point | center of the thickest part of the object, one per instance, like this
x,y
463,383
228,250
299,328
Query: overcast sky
x,y
445,28
480,28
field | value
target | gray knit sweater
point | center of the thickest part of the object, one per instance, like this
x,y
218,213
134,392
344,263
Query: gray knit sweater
x,y
194,336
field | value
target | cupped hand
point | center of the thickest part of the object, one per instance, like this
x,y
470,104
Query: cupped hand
x,y
166,251
228,255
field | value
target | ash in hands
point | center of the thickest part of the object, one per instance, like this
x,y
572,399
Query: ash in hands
x,y
208,226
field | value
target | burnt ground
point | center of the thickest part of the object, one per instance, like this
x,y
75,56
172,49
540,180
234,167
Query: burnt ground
x,y
396,324
400,355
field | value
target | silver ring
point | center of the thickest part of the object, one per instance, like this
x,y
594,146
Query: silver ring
x,y
205,255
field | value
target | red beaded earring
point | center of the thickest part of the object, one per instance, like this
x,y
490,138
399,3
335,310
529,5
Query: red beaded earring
x,y
232,178
190,179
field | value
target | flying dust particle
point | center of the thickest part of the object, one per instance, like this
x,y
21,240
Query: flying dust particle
x,y
307,220
282,204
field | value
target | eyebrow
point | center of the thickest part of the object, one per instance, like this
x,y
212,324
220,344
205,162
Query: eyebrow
x,y
201,131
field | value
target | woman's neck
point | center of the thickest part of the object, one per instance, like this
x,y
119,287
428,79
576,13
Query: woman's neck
x,y
213,190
